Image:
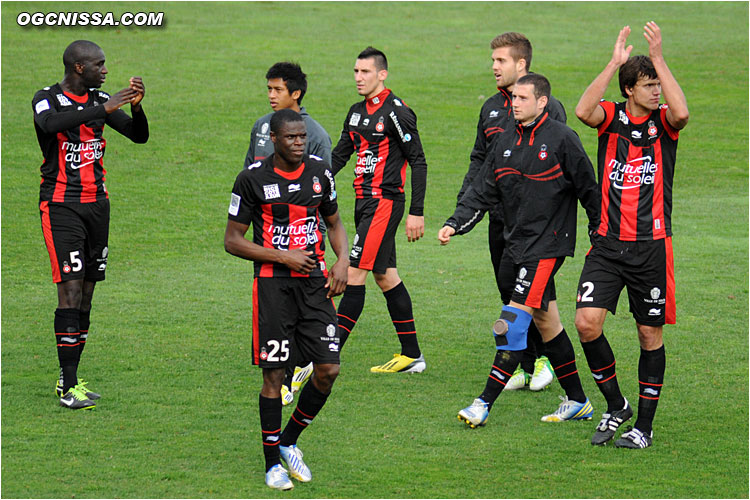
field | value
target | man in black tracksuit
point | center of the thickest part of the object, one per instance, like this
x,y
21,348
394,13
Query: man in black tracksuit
x,y
511,59
536,173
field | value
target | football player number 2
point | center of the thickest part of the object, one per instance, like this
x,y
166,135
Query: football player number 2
x,y
586,295
276,349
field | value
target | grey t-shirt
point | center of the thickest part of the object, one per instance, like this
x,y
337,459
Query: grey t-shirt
x,y
318,140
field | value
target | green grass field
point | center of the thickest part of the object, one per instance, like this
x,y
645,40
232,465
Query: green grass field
x,y
170,344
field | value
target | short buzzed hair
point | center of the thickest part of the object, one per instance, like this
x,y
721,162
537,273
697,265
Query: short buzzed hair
x,y
293,77
634,69
540,83
520,46
381,62
282,116
77,52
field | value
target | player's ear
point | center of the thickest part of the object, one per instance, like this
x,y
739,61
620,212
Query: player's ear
x,y
543,101
273,137
520,65
629,91
295,95
382,75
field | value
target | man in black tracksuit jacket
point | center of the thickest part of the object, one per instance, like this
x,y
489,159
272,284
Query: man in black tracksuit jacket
x,y
511,59
536,174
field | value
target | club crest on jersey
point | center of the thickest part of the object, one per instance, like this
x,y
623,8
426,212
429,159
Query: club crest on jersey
x,y
380,126
64,101
263,353
543,152
66,267
271,191
652,129
354,119
316,185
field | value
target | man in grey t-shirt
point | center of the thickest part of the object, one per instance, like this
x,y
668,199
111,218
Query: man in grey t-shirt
x,y
287,85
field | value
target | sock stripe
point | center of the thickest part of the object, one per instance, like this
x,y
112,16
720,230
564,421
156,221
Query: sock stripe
x,y
606,379
653,385
271,432
565,364
345,328
602,369
346,317
567,374
498,380
646,397
300,423
407,333
501,370
304,414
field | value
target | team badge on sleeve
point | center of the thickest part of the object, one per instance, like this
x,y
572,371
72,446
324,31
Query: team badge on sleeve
x,y
316,185
42,106
234,205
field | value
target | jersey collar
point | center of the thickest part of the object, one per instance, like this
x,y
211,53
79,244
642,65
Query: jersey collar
x,y
376,102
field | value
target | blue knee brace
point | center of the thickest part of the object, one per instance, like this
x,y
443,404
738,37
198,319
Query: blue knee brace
x,y
511,329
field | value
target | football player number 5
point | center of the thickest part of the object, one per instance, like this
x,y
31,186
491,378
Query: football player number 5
x,y
75,263
277,348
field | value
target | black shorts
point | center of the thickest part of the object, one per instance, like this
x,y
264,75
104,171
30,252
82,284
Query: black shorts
x,y
645,267
374,244
535,282
77,239
293,308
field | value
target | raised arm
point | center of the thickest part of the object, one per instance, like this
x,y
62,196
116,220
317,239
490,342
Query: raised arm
x,y
677,112
588,109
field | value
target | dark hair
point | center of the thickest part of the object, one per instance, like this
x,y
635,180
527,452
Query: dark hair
x,y
282,116
381,62
634,69
78,52
520,46
293,77
540,83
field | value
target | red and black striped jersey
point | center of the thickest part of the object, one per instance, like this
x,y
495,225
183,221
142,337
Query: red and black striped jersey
x,y
383,132
284,209
69,129
636,162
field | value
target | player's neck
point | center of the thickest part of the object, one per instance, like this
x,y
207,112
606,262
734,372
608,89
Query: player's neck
x,y
379,90
283,165
73,86
636,110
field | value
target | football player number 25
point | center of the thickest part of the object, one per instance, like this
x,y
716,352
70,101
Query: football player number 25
x,y
276,349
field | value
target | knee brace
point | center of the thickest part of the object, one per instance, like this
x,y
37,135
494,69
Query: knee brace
x,y
511,329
